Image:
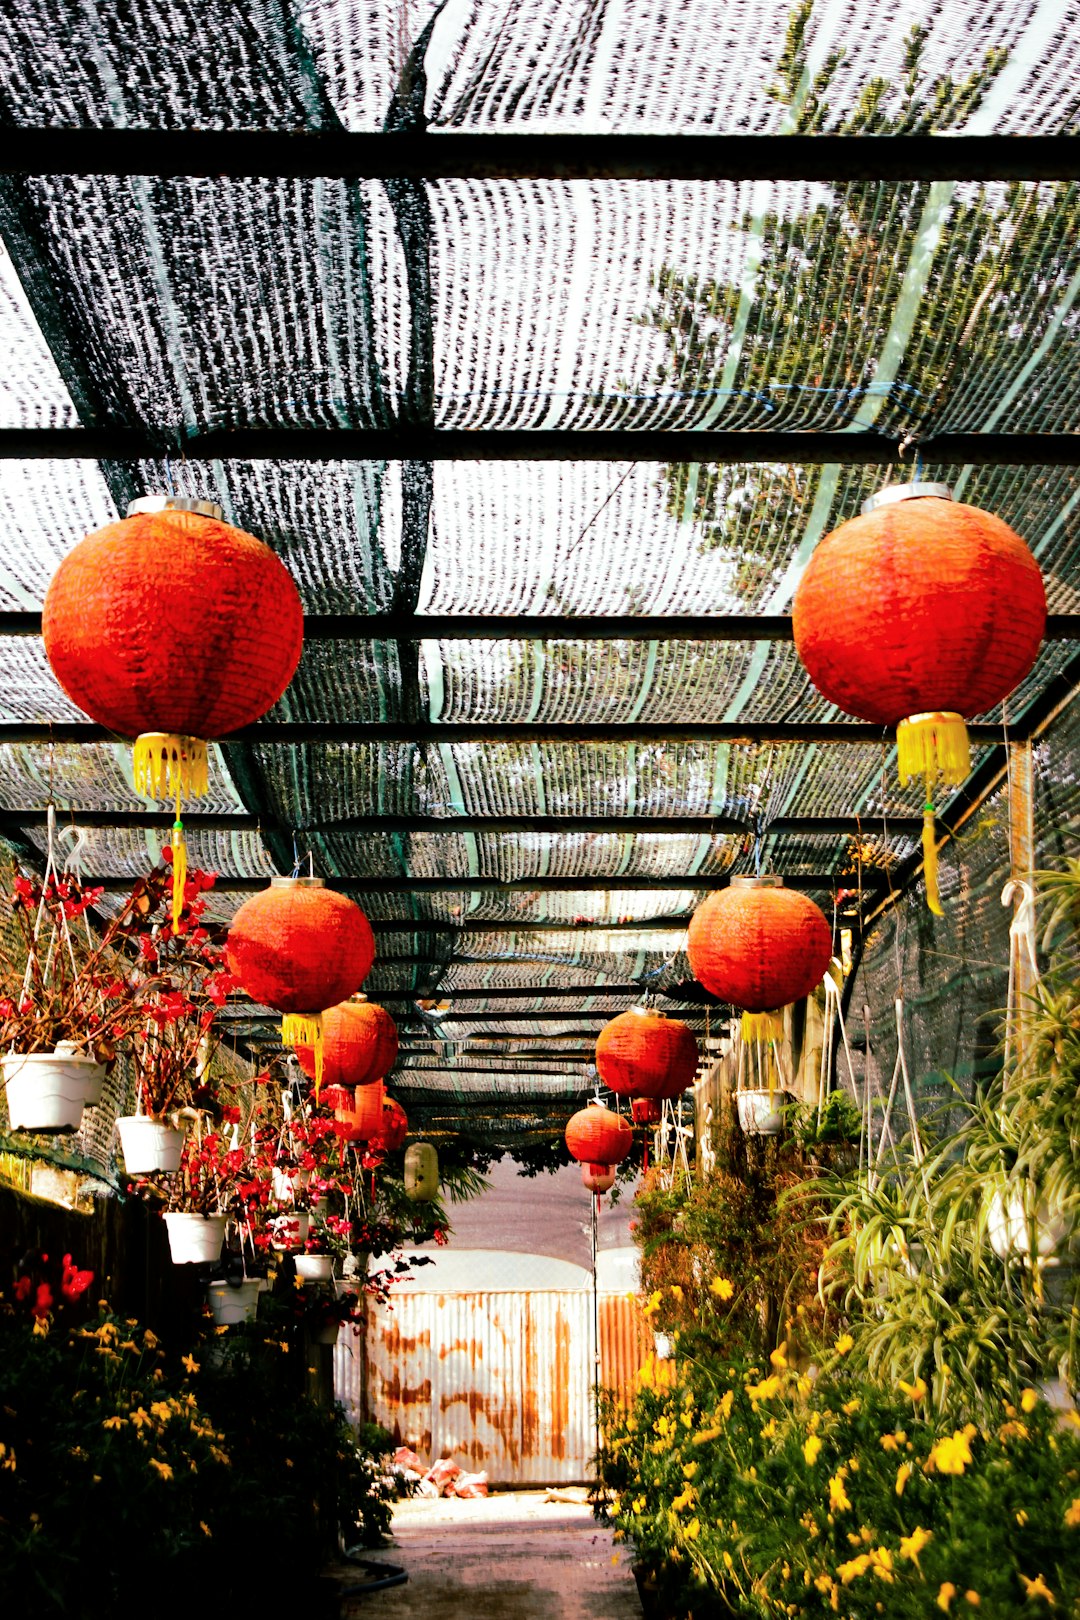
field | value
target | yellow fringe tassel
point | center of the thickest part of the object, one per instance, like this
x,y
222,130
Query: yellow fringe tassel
x,y
762,1026
929,849
306,1029
166,766
179,867
929,746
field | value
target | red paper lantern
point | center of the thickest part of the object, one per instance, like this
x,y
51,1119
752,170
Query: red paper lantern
x,y
300,948
641,1053
394,1127
918,613
598,1177
366,1117
760,946
596,1135
360,1044
646,1111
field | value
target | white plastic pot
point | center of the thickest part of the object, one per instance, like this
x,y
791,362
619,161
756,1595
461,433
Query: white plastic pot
x,y
1009,1232
233,1303
328,1334
315,1267
47,1091
149,1144
760,1111
285,1184
290,1231
195,1239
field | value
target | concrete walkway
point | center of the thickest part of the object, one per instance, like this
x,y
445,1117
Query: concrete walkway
x,y
512,1556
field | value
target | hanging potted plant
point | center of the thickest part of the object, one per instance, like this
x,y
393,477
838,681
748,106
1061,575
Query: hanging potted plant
x,y
64,1009
327,1242
828,1133
202,1195
185,984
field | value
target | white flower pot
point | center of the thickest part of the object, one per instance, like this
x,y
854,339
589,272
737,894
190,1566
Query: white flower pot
x,y
47,1091
1010,1235
231,1305
285,1184
149,1144
195,1239
328,1334
760,1111
290,1231
315,1267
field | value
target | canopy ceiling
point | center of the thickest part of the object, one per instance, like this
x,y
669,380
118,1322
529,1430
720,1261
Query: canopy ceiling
x,y
891,312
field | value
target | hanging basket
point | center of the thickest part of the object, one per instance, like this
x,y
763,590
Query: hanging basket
x,y
149,1145
315,1267
47,1091
1009,1229
285,1184
327,1334
761,1111
290,1231
195,1240
232,1303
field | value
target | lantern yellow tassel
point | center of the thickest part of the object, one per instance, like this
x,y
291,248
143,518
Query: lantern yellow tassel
x,y
762,1026
306,1029
179,867
166,766
929,746
929,849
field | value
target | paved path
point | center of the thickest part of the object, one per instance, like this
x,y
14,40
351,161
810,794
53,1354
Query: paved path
x,y
511,1556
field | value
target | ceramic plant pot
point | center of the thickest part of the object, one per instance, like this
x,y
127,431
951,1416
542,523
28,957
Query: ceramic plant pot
x,y
760,1111
47,1091
315,1267
195,1239
233,1303
149,1145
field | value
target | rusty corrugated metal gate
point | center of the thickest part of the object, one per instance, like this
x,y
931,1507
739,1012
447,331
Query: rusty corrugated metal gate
x,y
500,1380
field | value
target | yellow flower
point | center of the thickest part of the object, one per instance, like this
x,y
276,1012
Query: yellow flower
x,y
653,1305
838,1497
973,1598
693,1530
843,1344
811,1449
1013,1431
162,1468
951,1455
849,1408
204,1527
769,1429
150,1340
41,1327
1029,1400
903,1474
893,1442
161,1410
192,1366
946,1593
704,1436
722,1287
676,1291
911,1546
1072,1513
683,1500
114,1422
778,1357
917,1390
221,1457
1038,1589
764,1391
140,1417
690,1469
727,1401
854,1568
1022,1518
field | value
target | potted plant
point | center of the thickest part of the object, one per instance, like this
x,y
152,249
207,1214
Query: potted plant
x,y
201,1196
327,1241
829,1133
185,983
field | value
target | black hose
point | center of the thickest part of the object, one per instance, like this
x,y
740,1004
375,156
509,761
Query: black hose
x,y
387,1575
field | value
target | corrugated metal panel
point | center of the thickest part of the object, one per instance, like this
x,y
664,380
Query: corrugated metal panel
x,y
500,1381
625,1340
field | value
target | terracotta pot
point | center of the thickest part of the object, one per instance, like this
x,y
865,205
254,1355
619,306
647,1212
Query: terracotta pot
x,y
195,1239
315,1267
149,1144
760,1111
232,1304
47,1091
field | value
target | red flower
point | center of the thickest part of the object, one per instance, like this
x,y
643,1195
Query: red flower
x,y
43,1300
74,1282
22,1288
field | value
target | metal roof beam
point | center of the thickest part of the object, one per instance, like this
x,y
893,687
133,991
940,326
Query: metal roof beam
x,y
587,883
418,442
497,155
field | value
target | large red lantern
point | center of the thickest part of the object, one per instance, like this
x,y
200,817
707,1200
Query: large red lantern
x,y
598,1178
360,1044
918,613
641,1053
172,627
760,946
394,1127
596,1135
300,948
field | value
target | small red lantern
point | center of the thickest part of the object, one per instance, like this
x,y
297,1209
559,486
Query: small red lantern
x,y
171,627
360,1044
642,1053
394,1127
366,1117
760,946
596,1135
300,948
646,1111
915,614
599,1178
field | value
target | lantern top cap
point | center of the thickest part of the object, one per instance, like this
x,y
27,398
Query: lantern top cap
x,y
905,492
764,880
297,883
174,503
